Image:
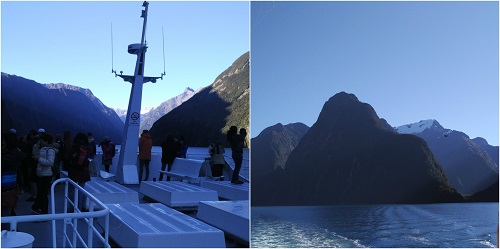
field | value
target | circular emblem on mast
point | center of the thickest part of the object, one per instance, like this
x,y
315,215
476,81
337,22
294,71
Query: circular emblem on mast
x,y
134,116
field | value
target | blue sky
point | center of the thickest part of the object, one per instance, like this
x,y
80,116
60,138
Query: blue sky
x,y
410,60
70,42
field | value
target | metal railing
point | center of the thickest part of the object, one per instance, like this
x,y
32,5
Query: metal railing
x,y
70,219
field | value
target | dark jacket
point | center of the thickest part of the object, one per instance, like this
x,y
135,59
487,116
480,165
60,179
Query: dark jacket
x,y
237,142
92,149
169,148
11,161
108,150
79,172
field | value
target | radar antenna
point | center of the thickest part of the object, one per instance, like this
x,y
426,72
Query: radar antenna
x,y
140,50
112,50
163,38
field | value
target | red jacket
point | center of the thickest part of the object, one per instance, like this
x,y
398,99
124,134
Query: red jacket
x,y
145,145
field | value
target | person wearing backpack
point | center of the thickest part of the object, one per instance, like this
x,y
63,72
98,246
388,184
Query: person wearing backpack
x,y
79,166
217,154
92,145
46,158
108,152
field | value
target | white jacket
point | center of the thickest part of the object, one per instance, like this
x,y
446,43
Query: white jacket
x,y
217,158
46,161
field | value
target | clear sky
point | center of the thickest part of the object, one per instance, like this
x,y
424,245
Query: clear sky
x,y
410,60
70,42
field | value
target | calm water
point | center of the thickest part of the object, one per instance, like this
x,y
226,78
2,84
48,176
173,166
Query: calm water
x,y
433,225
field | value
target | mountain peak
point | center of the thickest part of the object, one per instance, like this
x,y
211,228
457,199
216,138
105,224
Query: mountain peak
x,y
419,126
345,110
343,96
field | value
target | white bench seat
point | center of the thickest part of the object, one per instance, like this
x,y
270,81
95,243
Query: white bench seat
x,y
184,169
227,190
177,194
155,225
95,170
111,192
231,217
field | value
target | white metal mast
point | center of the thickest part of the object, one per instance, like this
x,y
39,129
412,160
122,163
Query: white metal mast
x,y
127,163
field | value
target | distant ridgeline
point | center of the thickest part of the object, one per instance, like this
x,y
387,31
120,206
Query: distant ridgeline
x,y
201,117
351,156
154,113
206,117
28,105
148,119
471,165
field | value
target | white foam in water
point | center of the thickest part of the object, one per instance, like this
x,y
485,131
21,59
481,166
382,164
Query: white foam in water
x,y
463,225
300,236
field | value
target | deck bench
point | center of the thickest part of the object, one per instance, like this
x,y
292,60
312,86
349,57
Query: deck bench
x,y
111,192
227,190
179,195
155,225
231,217
95,172
184,169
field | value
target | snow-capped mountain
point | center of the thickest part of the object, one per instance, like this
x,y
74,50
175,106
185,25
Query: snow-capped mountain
x,y
122,113
418,127
145,110
468,163
153,114
150,114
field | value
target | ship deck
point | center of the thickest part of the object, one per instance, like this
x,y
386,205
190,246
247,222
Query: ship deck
x,y
42,231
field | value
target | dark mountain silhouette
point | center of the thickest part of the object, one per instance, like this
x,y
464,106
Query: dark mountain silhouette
x,y
471,165
349,156
270,149
148,119
488,195
28,105
206,116
490,149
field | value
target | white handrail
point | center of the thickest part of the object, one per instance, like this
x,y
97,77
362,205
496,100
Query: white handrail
x,y
70,219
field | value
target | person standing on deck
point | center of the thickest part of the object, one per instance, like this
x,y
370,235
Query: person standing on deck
x,y
79,169
92,146
68,144
217,155
108,152
46,157
28,163
169,149
59,156
35,154
237,144
145,146
182,148
12,159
